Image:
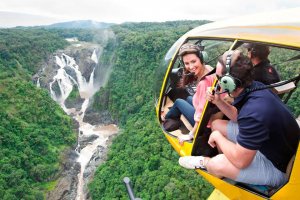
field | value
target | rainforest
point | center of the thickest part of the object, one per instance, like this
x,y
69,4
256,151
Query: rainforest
x,y
40,138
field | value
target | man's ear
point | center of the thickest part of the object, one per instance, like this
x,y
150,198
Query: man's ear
x,y
249,54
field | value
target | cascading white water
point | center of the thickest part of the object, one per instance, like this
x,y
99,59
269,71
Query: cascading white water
x,y
94,57
86,89
38,83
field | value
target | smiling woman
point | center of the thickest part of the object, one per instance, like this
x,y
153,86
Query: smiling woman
x,y
194,72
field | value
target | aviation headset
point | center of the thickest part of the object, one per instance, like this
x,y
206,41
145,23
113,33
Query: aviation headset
x,y
227,82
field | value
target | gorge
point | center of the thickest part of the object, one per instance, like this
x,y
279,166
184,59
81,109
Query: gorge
x,y
40,154
61,75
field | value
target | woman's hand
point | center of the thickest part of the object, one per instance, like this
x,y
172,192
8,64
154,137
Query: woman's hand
x,y
212,97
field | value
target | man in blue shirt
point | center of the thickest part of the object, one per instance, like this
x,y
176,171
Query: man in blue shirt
x,y
261,136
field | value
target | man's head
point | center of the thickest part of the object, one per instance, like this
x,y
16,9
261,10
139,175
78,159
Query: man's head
x,y
189,48
260,51
236,70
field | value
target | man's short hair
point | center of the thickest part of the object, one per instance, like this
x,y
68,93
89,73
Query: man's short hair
x,y
241,67
258,50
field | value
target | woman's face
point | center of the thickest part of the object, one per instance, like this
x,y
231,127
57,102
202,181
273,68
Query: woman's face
x,y
192,64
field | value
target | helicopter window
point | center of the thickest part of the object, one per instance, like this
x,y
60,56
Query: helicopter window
x,y
286,62
212,50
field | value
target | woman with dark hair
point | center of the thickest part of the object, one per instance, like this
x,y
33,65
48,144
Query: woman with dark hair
x,y
192,107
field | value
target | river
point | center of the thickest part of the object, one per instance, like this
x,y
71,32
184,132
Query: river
x,y
90,137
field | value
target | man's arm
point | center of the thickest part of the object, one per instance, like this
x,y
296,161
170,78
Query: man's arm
x,y
229,110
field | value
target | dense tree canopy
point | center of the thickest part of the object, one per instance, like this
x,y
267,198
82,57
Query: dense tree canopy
x,y
141,152
21,50
34,130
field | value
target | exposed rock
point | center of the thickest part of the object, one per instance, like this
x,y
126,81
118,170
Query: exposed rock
x,y
71,72
66,187
75,126
98,118
76,103
98,157
83,141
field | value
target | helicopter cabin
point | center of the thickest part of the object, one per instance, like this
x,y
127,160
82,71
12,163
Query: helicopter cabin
x,y
214,39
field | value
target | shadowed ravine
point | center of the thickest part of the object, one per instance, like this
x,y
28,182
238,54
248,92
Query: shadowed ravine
x,y
63,75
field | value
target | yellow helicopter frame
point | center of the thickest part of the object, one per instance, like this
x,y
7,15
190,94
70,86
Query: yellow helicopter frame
x,y
276,29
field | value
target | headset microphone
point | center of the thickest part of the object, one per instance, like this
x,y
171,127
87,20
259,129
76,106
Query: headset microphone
x,y
217,89
189,74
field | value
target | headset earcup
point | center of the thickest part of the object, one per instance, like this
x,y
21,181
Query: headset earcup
x,y
204,56
227,83
181,62
200,55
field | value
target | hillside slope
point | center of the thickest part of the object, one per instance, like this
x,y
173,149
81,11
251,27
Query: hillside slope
x,y
34,130
141,152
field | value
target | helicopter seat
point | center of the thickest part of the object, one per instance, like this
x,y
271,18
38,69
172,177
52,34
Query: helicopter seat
x,y
285,91
285,88
290,166
186,122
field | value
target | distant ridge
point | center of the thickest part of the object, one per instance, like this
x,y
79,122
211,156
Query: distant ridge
x,y
81,24
14,19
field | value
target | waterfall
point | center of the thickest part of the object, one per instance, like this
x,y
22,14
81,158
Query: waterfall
x,y
38,83
94,57
68,75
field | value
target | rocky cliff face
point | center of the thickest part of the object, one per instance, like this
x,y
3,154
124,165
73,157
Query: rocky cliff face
x,y
80,51
72,76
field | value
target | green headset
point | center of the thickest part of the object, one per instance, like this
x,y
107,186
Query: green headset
x,y
227,82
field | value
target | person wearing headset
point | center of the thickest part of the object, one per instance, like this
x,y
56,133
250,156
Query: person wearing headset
x,y
263,70
192,107
261,136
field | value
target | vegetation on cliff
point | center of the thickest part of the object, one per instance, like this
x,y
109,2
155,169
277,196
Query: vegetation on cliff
x,y
33,129
141,152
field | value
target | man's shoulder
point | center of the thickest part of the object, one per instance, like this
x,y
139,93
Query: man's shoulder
x,y
265,72
259,99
